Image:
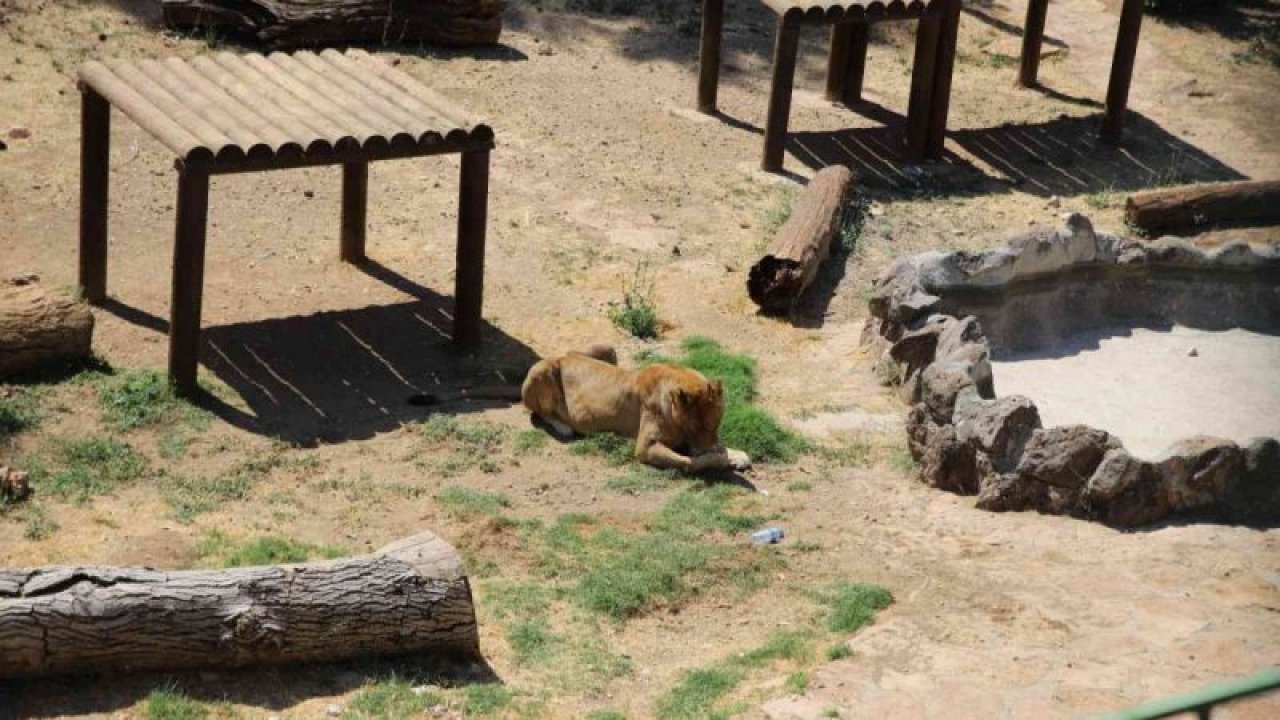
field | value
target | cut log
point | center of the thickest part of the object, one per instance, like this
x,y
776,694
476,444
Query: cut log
x,y
1204,204
39,327
311,23
410,597
803,242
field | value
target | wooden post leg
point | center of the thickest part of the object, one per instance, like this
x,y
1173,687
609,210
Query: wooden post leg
x,y
473,209
921,99
1032,37
1122,70
784,70
188,278
838,62
709,57
941,103
859,34
95,152
355,199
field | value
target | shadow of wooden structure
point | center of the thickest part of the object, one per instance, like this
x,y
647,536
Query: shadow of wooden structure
x,y
228,113
1061,157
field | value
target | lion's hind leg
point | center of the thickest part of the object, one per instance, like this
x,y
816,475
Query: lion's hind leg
x,y
543,395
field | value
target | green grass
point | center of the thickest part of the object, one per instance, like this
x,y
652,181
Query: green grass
x,y
636,314
222,551
794,645
199,494
851,605
473,444
531,640
143,398
800,486
465,501
744,426
797,682
839,651
39,526
486,699
694,697
851,451
20,410
641,479
529,442
606,715
776,215
615,449
84,468
173,704
390,700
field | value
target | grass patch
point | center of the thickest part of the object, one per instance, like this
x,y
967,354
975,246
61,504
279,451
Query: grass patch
x,y
82,469
641,479
851,451
636,314
474,444
744,426
465,501
839,651
615,449
39,526
776,215
530,442
173,704
697,692
19,410
486,698
531,640
143,398
196,495
794,645
390,700
800,486
797,682
852,605
606,715
226,552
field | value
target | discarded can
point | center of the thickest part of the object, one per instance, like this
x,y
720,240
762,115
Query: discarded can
x,y
767,536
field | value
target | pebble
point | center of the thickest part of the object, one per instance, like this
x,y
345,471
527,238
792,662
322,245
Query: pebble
x,y
333,710
1193,353
1055,201
18,132
437,710
308,193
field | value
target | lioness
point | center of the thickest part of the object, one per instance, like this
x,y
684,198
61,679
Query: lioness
x,y
672,412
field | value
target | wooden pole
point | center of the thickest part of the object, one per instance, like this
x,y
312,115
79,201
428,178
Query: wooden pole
x,y
412,596
838,62
784,70
1032,38
355,200
709,57
941,101
921,99
859,34
473,208
188,277
1121,70
95,179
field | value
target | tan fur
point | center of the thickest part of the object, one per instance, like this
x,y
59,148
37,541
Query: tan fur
x,y
673,413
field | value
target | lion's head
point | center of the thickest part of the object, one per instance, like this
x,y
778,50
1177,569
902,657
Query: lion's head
x,y
697,406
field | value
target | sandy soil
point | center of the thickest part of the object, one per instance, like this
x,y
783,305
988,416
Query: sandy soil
x,y
602,167
1151,387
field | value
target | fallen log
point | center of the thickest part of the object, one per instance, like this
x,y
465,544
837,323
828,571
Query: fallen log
x,y
40,327
1204,204
312,23
803,242
410,597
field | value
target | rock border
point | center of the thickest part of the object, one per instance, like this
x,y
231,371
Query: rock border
x,y
969,441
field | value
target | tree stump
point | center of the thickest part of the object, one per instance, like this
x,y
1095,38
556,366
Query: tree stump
x,y
1204,204
410,597
803,242
311,23
39,328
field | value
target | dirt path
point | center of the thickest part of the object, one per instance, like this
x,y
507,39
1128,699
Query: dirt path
x,y
601,168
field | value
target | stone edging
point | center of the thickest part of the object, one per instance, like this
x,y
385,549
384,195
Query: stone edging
x,y
968,440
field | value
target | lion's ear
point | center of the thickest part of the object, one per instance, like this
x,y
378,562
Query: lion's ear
x,y
717,388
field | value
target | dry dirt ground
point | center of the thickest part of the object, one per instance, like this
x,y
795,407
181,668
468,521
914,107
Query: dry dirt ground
x,y
602,168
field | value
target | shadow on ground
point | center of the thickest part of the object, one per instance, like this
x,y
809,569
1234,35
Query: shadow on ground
x,y
1058,157
346,374
271,688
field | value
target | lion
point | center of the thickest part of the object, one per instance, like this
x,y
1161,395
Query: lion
x,y
673,412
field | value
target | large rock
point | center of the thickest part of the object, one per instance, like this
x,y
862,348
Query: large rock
x,y
1008,493
1254,498
948,463
1065,456
1000,428
1125,491
1199,470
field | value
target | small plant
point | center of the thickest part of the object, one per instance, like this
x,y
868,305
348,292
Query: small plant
x,y
486,699
467,502
777,214
636,314
617,450
839,651
694,697
143,398
171,703
852,218
641,480
797,682
474,444
19,410
192,496
531,640
530,442
39,526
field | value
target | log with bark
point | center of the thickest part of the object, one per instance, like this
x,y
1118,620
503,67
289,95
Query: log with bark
x,y
312,23
803,242
1204,204
410,597
40,327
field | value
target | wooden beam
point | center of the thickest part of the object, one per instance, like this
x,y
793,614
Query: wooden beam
x,y
1032,38
920,101
188,279
95,181
941,103
709,54
784,70
355,200
1121,71
473,209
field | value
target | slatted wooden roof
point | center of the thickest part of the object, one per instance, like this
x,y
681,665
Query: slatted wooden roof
x,y
232,112
828,12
